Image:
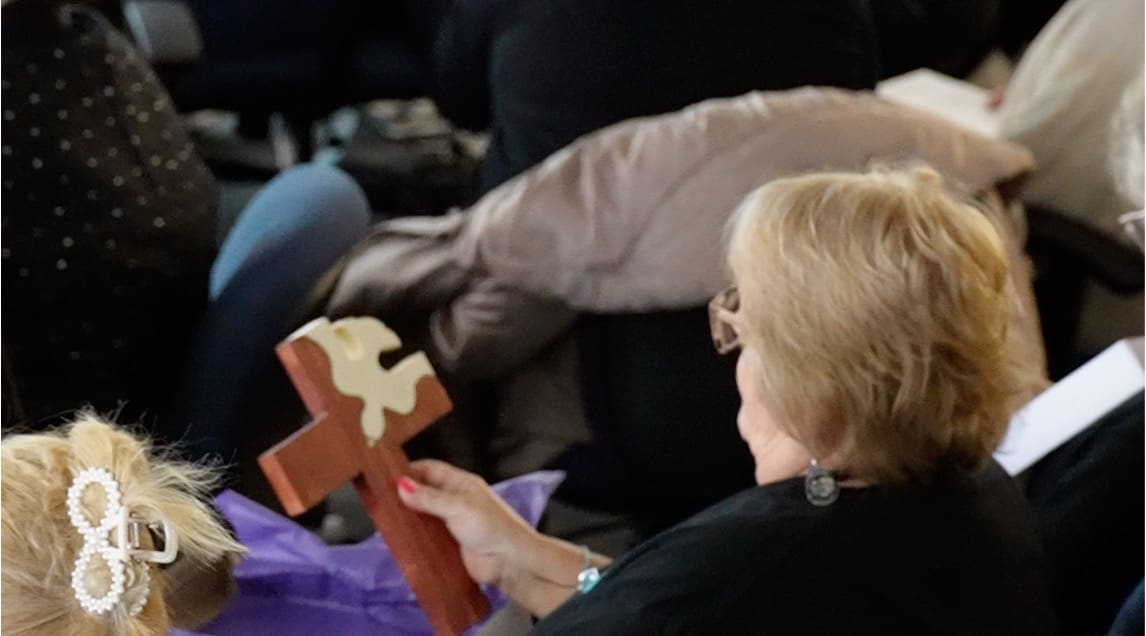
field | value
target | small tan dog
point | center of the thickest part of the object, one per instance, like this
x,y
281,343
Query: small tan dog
x,y
91,520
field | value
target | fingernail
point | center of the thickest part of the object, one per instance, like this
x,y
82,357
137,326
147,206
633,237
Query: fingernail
x,y
407,485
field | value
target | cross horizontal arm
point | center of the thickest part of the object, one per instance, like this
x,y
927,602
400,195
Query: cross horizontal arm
x,y
307,466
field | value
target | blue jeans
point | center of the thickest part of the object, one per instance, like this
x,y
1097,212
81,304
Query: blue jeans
x,y
1130,617
293,231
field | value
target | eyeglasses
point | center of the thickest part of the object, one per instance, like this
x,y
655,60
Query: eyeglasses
x,y
722,319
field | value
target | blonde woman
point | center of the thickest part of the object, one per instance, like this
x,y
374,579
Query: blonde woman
x,y
870,313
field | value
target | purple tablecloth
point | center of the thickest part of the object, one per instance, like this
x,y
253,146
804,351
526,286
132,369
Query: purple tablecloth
x,y
292,584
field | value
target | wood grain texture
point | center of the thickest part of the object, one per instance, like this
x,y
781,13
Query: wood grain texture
x,y
307,466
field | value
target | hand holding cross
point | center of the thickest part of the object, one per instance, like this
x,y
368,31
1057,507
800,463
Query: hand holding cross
x,y
362,416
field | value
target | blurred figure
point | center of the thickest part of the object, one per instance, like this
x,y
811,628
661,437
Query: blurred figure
x,y
538,74
299,225
108,221
1062,103
1075,101
116,298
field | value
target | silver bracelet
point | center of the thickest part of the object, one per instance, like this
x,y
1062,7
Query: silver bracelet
x,y
589,576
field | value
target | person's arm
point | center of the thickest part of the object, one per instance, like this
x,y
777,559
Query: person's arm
x,y
543,574
498,547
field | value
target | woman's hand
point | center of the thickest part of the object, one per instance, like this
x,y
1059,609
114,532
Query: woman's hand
x,y
498,547
489,532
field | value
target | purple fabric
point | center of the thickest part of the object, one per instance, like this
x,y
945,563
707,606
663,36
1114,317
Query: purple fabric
x,y
292,584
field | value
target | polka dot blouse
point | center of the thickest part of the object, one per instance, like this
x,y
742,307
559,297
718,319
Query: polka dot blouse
x,y
108,218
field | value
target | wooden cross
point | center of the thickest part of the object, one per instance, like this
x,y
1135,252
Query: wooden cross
x,y
335,370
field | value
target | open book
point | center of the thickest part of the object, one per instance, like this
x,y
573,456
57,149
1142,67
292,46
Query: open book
x,y
1072,405
953,99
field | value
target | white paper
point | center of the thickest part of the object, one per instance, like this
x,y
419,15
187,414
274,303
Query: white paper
x,y
960,102
1070,406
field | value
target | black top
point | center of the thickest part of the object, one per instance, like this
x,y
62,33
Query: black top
x,y
540,73
960,556
1088,498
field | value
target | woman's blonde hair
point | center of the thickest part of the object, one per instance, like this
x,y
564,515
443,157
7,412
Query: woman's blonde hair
x,y
878,305
40,544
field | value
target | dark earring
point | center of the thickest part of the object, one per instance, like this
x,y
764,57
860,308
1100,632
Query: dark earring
x,y
820,486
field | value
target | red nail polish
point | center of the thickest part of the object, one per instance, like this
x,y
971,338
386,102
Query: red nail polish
x,y
407,484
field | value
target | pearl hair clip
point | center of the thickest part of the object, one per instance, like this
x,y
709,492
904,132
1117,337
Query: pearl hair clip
x,y
128,534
